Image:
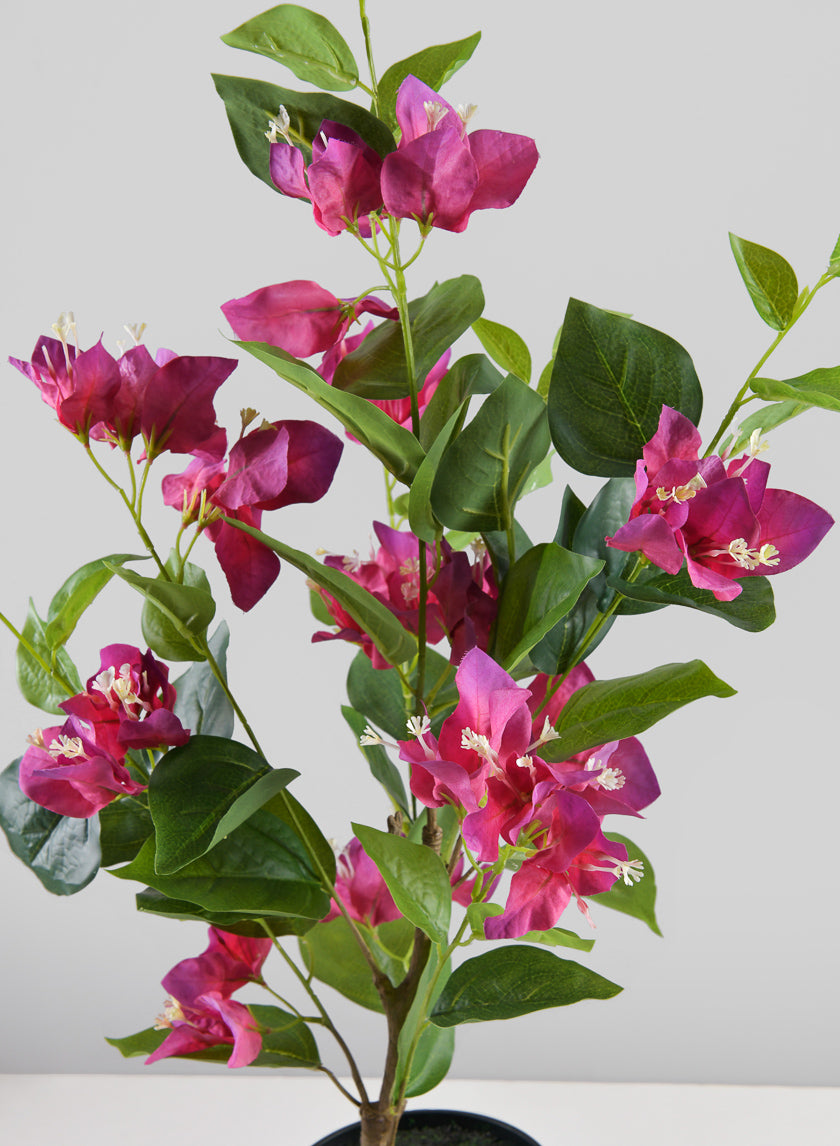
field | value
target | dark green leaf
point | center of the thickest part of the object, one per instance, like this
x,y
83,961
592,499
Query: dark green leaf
x,y
817,388
497,547
394,642
124,826
381,766
611,378
610,509
639,899
48,678
202,705
332,954
769,278
505,347
377,693
511,981
572,510
483,472
250,104
204,790
416,878
421,517
77,593
397,449
614,709
561,649
539,589
142,1043
305,42
261,868
432,66
753,609
238,922
472,374
286,1039
377,368
62,851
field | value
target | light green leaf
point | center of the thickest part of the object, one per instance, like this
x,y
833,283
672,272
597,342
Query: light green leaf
x,y
46,676
432,66
505,347
305,42
637,899
78,592
819,387
175,617
770,280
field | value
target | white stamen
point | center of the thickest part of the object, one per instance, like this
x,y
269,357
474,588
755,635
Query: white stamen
x,y
681,493
610,778
410,569
352,563
418,726
435,112
370,737
631,871
63,329
525,761
279,126
70,746
746,557
172,1013
36,738
466,112
477,743
548,734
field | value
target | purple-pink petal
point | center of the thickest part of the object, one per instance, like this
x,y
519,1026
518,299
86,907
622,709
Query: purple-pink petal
x,y
257,469
505,163
651,535
434,176
299,316
178,413
287,168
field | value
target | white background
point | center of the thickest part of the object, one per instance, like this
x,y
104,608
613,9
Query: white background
x,y
661,126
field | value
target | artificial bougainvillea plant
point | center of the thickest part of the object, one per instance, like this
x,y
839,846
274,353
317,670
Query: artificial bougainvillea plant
x,y
503,765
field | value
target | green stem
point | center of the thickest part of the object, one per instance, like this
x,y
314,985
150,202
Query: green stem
x,y
36,656
373,90
135,515
802,305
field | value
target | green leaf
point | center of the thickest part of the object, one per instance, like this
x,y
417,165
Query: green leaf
x,y
78,592
124,826
175,617
432,66
381,766
572,510
557,937
609,510
250,104
505,347
561,649
416,878
752,610
539,589
201,704
819,387
45,687
497,547
483,472
319,609
394,642
614,709
421,516
142,1043
261,868
240,923
639,899
770,280
304,42
765,420
377,693
397,449
286,1040
512,981
378,369
611,378
436,1045
331,953
204,790
62,851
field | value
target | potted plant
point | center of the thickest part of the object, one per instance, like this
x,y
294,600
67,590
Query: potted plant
x,y
470,674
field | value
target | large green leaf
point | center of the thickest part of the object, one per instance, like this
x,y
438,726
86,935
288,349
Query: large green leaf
x,y
770,280
381,766
614,709
124,826
250,104
307,43
239,922
394,642
397,449
377,693
433,66
562,648
421,517
332,954
505,347
512,981
436,1045
636,899
78,592
378,369
201,704
416,878
261,868
62,851
483,471
201,792
752,610
610,380
608,511
539,589
46,675
819,387
175,617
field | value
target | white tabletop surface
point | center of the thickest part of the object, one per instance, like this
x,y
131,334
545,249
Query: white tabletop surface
x,y
114,1110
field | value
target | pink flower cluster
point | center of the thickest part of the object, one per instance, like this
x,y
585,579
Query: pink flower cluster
x,y
438,175
718,517
461,604
200,1013
78,767
486,763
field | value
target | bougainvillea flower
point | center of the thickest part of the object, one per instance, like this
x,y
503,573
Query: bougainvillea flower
x,y
129,702
722,520
79,386
439,174
67,771
341,181
486,763
228,963
300,317
361,889
278,464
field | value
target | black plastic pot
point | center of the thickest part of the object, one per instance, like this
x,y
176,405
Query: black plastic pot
x,y
441,1128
